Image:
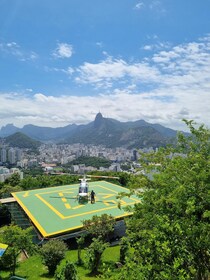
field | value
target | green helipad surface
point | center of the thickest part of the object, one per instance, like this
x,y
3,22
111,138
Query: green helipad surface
x,y
56,210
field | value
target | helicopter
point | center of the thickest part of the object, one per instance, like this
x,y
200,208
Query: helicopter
x,y
83,194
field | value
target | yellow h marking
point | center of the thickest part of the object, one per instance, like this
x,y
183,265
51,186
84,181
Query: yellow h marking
x,y
109,195
67,205
26,194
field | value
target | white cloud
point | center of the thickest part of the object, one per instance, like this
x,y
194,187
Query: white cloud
x,y
99,44
147,47
33,56
139,5
13,49
166,106
151,6
111,70
69,71
182,66
157,46
163,89
157,6
11,44
63,50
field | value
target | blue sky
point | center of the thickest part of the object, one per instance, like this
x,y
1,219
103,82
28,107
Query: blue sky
x,y
62,62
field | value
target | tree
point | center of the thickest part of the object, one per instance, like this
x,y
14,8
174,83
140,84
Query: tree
x,y
66,272
94,253
29,183
124,247
52,253
170,230
6,190
13,180
124,178
91,161
100,226
80,243
18,240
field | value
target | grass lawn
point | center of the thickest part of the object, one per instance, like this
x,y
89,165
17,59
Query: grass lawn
x,y
33,269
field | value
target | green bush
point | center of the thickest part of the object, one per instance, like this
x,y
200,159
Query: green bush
x,y
66,271
52,253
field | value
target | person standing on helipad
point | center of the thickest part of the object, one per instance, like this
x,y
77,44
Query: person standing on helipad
x,y
92,197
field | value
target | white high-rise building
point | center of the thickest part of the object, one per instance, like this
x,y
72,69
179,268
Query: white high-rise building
x,y
12,156
3,155
18,154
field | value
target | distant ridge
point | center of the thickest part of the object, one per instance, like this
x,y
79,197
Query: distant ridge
x,y
102,131
38,132
113,133
20,140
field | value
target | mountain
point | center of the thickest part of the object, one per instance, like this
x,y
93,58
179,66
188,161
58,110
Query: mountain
x,y
8,130
104,131
21,140
38,132
112,133
48,133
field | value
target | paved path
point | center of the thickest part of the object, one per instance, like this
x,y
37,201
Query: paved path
x,y
7,200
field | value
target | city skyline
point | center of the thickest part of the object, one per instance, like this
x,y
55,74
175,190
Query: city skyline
x,y
63,62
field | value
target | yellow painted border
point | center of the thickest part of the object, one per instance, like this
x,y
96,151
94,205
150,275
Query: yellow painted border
x,y
32,218
45,234
80,227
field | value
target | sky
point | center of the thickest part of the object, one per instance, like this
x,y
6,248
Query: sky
x,y
62,62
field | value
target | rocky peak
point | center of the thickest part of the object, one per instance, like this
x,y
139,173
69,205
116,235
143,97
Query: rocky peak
x,y
8,129
98,120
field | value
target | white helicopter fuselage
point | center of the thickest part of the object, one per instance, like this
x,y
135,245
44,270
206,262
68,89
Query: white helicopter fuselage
x,y
83,188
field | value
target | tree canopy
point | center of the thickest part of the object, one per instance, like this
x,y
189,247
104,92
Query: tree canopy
x,y
52,253
100,226
170,230
18,240
91,161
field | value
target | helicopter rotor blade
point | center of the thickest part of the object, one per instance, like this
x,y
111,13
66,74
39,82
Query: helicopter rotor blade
x,y
107,177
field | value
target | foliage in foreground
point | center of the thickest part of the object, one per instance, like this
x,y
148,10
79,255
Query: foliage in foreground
x,y
99,227
170,230
94,253
66,271
52,253
33,269
17,240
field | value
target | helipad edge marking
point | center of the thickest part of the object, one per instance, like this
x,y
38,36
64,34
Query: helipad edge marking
x,y
50,206
67,189
32,218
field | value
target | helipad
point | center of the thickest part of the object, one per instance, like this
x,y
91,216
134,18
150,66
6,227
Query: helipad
x,y
56,210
